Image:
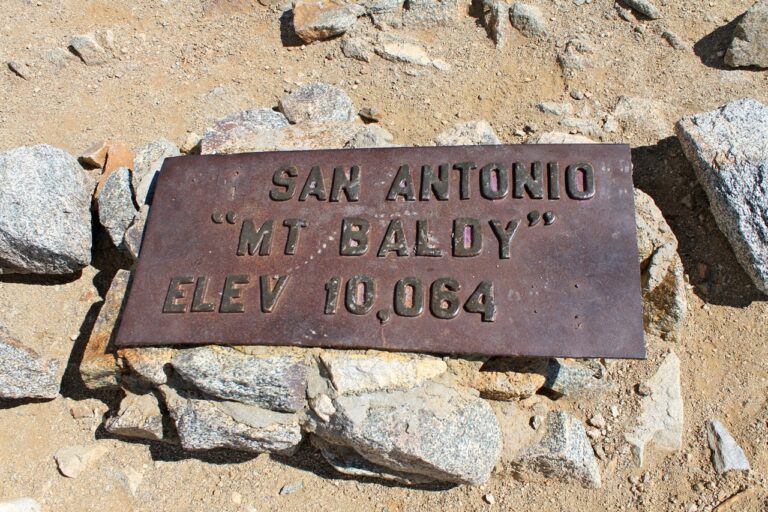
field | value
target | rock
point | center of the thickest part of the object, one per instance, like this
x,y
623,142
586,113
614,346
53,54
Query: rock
x,y
276,380
146,166
130,478
115,205
665,305
528,20
204,424
371,114
139,416
356,48
729,155
151,365
507,385
96,154
99,367
400,50
73,460
89,51
291,488
23,373
317,102
20,69
674,40
587,127
727,455
574,57
20,505
558,109
645,8
191,145
642,115
468,134
45,217
315,20
430,13
307,135
432,432
353,372
135,232
597,421
661,416
574,378
750,38
119,156
495,19
559,138
489,499
563,453
238,125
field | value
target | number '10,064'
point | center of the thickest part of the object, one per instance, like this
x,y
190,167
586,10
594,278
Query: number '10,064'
x,y
411,297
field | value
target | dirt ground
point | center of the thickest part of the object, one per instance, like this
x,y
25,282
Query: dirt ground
x,y
179,65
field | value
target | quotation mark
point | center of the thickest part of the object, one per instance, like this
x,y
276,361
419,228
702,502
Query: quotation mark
x,y
218,217
535,217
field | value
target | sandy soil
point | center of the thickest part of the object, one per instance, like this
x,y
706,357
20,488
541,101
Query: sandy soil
x,y
179,65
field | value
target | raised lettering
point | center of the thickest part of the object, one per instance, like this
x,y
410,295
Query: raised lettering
x,y
586,189
354,236
439,186
467,237
314,186
530,182
394,240
402,185
270,294
176,294
422,240
283,177
232,292
464,168
293,225
350,186
504,235
198,299
252,239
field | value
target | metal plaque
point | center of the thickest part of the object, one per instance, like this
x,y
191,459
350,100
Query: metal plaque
x,y
497,250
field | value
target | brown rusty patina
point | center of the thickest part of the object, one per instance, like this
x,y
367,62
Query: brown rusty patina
x,y
497,250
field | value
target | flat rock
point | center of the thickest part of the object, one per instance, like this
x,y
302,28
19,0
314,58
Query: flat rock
x,y
528,20
96,154
729,155
727,455
20,505
23,373
356,48
139,417
315,20
276,381
665,305
507,385
574,378
430,13
355,372
317,102
430,432
661,412
750,38
496,21
205,424
559,138
370,136
307,135
645,8
115,205
73,460
643,116
45,217
150,364
563,453
89,51
238,125
146,166
468,134
99,367
400,50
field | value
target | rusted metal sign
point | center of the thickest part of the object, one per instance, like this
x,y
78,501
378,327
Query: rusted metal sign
x,y
496,250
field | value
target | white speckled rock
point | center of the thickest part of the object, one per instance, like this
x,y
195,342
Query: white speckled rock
x,y
727,455
23,373
661,415
564,453
115,205
468,134
728,150
317,102
45,212
750,38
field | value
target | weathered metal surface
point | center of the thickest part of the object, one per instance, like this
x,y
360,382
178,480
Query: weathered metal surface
x,y
351,248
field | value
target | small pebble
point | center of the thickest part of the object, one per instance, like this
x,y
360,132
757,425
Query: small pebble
x,y
577,94
489,499
291,488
